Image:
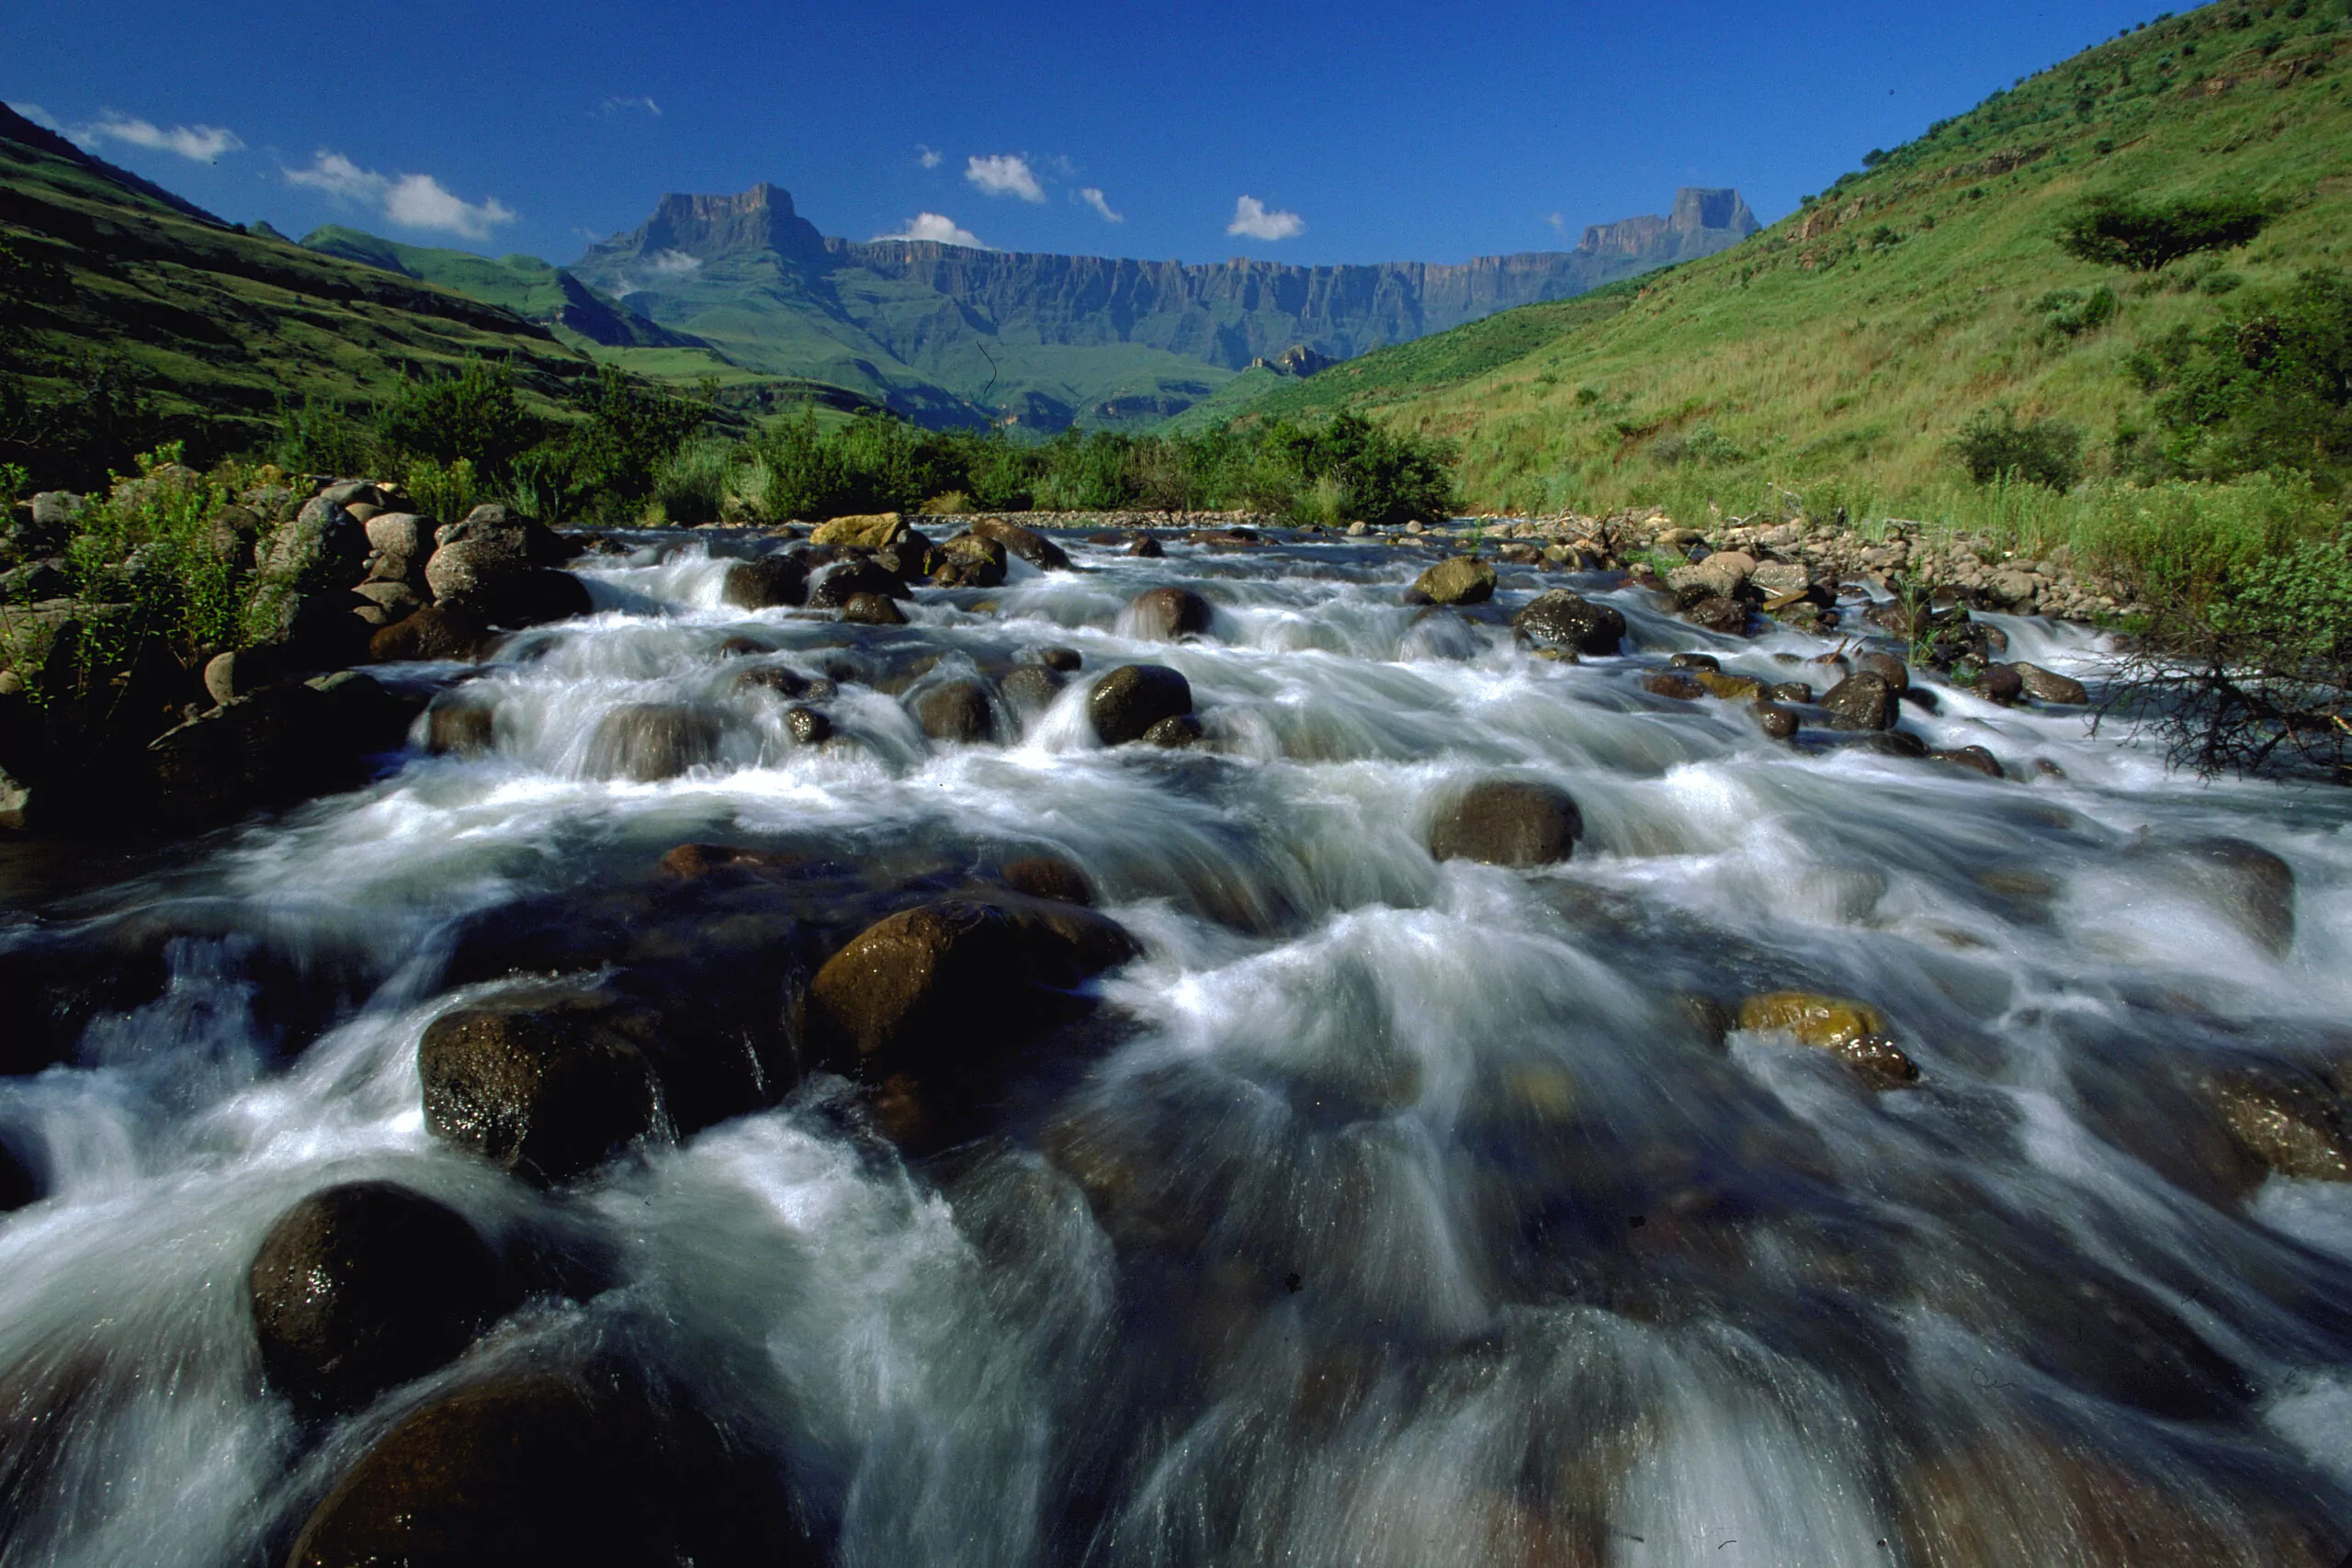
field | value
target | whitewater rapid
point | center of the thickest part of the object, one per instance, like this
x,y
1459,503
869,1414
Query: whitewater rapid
x,y
1409,1220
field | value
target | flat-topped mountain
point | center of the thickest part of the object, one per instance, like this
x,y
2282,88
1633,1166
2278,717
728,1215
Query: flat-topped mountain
x,y
954,333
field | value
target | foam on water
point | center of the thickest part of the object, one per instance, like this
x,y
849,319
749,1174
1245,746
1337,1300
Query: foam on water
x,y
1415,1219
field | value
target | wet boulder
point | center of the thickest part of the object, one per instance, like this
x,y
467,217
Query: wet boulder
x,y
1730,688
807,726
364,1286
386,603
2001,684
1777,722
539,1467
971,560
1168,613
957,713
836,585
1147,546
770,583
1031,689
456,725
1063,661
1887,668
1507,822
1049,877
2249,884
2049,686
1128,701
1027,542
2284,1118
540,1090
652,741
1853,1032
279,745
1718,614
1680,685
1862,700
1571,623
1460,580
873,610
937,1002
1175,732
1975,758
498,567
436,633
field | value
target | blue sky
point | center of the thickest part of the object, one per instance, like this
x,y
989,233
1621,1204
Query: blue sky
x,y
1307,132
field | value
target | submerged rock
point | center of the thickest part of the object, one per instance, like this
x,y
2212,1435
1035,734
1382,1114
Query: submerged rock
x,y
1972,757
2284,1118
1128,701
1049,877
1167,614
652,741
1853,1031
1462,579
365,1285
1507,822
957,713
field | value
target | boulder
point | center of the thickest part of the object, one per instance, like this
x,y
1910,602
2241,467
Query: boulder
x,y
1780,578
1789,691
499,567
1675,683
1730,688
540,1090
1065,660
807,726
367,1285
388,604
971,560
1777,722
1128,701
1695,662
872,610
1887,668
1571,623
1975,758
1853,1032
1049,877
1718,614
866,531
1027,542
2049,686
455,726
535,1469
1148,546
437,633
957,713
2255,887
2286,1120
276,746
1507,822
1719,575
1172,733
303,574
836,585
945,994
2001,682
1861,701
650,742
1167,614
1031,689
770,583
1460,580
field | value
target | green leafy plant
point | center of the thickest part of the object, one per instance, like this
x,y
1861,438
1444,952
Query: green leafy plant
x,y
2269,389
1993,445
2070,313
2118,231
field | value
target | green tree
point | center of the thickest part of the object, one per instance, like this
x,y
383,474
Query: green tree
x,y
2270,388
2116,231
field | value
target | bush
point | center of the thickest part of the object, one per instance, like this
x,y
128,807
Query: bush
x,y
2070,313
2115,231
474,415
2271,389
1993,445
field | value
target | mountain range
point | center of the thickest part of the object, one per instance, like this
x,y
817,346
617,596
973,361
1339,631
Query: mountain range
x,y
951,333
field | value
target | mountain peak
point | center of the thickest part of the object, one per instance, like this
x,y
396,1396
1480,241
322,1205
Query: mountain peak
x,y
1704,218
698,228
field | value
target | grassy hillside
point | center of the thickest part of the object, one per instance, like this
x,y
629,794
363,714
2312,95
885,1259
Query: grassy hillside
x,y
219,326
1837,353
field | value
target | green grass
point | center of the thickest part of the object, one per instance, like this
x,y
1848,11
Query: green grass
x,y
223,326
1838,351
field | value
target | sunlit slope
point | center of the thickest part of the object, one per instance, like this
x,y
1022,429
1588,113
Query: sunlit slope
x,y
215,321
1844,345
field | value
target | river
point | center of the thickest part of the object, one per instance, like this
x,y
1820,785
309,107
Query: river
x,y
1407,1212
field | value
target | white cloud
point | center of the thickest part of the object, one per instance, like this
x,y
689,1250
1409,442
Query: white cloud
x,y
672,263
929,157
1007,173
413,201
1251,217
200,144
1560,220
38,114
931,226
1093,197
629,105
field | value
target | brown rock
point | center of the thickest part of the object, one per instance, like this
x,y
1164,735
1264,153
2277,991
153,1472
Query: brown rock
x,y
1507,822
437,632
1673,684
1975,757
1027,542
957,713
1726,616
871,531
650,742
1571,622
1049,877
1128,701
2049,686
872,610
1462,579
769,582
1853,1031
538,1091
1777,722
1861,701
1167,614
1730,688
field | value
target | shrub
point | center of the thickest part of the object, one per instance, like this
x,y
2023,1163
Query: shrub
x,y
2116,231
474,415
1993,445
2269,389
2070,313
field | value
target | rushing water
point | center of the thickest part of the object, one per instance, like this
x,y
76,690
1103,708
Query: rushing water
x,y
1411,1220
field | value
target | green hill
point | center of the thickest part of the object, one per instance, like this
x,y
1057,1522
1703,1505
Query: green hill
x,y
219,326
1838,351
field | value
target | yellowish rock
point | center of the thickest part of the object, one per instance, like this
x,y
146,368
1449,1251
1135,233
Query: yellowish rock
x,y
872,531
1730,688
1854,1031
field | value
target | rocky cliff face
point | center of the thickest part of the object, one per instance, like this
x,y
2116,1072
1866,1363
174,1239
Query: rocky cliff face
x,y
719,265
